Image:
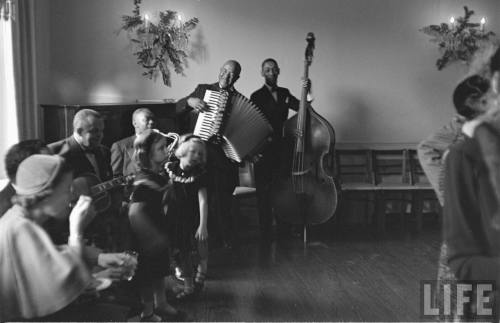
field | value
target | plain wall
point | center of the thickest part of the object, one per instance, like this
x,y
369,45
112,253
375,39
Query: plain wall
x,y
373,73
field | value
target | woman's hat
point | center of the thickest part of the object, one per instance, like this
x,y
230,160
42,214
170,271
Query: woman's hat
x,y
36,173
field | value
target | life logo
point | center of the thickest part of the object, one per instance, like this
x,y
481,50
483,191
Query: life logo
x,y
457,300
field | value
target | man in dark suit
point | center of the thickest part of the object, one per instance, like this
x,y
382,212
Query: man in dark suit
x,y
222,172
122,164
122,151
84,152
275,102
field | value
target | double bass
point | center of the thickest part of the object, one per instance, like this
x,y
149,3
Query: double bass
x,y
305,192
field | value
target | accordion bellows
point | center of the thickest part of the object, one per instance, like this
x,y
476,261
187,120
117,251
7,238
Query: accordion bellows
x,y
243,132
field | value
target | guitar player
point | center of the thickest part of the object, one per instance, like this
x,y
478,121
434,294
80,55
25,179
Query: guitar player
x,y
88,157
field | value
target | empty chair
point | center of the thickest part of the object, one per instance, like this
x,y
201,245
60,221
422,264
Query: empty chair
x,y
392,180
353,169
424,199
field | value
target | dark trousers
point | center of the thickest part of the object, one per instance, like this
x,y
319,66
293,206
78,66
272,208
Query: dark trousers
x,y
222,180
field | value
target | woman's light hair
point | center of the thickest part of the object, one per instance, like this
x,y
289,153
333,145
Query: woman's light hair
x,y
187,141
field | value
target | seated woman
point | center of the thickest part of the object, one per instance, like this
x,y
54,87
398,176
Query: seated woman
x,y
149,227
38,279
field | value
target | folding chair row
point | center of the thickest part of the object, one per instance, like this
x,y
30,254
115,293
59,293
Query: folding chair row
x,y
373,169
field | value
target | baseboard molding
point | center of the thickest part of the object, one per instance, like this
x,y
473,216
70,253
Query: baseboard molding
x,y
376,145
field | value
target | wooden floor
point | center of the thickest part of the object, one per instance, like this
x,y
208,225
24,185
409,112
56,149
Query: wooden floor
x,y
350,277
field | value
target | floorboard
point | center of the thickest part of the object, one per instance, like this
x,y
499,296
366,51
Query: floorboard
x,y
350,277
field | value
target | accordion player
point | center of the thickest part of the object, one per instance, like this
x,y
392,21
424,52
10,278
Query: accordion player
x,y
236,122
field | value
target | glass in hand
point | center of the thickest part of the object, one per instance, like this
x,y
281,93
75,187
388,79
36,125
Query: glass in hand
x,y
130,265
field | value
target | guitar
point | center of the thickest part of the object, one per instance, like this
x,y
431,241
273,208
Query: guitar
x,y
90,185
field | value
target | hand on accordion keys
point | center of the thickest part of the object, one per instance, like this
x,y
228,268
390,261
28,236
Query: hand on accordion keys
x,y
197,104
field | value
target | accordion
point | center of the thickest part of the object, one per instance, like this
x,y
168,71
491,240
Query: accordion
x,y
235,122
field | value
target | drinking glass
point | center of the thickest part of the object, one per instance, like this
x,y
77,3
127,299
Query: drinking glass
x,y
130,265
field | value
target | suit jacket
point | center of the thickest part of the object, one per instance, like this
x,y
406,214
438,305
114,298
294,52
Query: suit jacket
x,y
71,150
469,206
275,112
122,153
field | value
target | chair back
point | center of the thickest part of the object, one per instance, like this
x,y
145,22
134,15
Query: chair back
x,y
391,167
417,174
354,167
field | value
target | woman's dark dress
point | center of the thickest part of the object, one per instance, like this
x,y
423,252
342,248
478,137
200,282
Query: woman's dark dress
x,y
183,214
149,228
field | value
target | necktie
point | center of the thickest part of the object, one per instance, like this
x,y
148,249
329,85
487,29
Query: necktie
x,y
274,93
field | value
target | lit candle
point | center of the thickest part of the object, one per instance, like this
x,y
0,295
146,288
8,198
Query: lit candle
x,y
483,22
146,31
452,22
179,20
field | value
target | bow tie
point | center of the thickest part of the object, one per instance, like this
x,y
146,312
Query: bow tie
x,y
273,89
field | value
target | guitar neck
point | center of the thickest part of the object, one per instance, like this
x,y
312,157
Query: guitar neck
x,y
106,186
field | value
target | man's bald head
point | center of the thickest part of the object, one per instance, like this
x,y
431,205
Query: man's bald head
x,y
142,119
229,74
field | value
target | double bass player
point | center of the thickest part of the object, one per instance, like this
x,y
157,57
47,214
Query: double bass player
x,y
275,102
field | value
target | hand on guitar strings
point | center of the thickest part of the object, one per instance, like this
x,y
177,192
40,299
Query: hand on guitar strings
x,y
197,104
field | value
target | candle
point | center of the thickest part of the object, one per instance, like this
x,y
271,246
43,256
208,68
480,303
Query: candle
x,y
483,22
146,31
452,22
179,20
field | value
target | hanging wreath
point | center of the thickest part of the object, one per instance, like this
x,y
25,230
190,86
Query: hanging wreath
x,y
460,41
158,47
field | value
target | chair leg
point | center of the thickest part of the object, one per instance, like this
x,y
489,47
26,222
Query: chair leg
x,y
380,213
417,210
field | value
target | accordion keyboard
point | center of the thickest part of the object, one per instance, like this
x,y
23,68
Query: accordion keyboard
x,y
210,122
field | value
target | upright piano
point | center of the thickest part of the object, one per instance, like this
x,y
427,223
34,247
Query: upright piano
x,y
58,119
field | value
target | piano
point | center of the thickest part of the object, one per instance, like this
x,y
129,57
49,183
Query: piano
x,y
58,119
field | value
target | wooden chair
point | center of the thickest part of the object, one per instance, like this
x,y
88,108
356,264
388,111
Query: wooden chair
x,y
353,169
392,181
423,194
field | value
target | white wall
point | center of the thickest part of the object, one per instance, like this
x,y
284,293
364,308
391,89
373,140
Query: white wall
x,y
373,72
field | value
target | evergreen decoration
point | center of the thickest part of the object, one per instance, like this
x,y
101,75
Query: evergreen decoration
x,y
460,41
158,47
